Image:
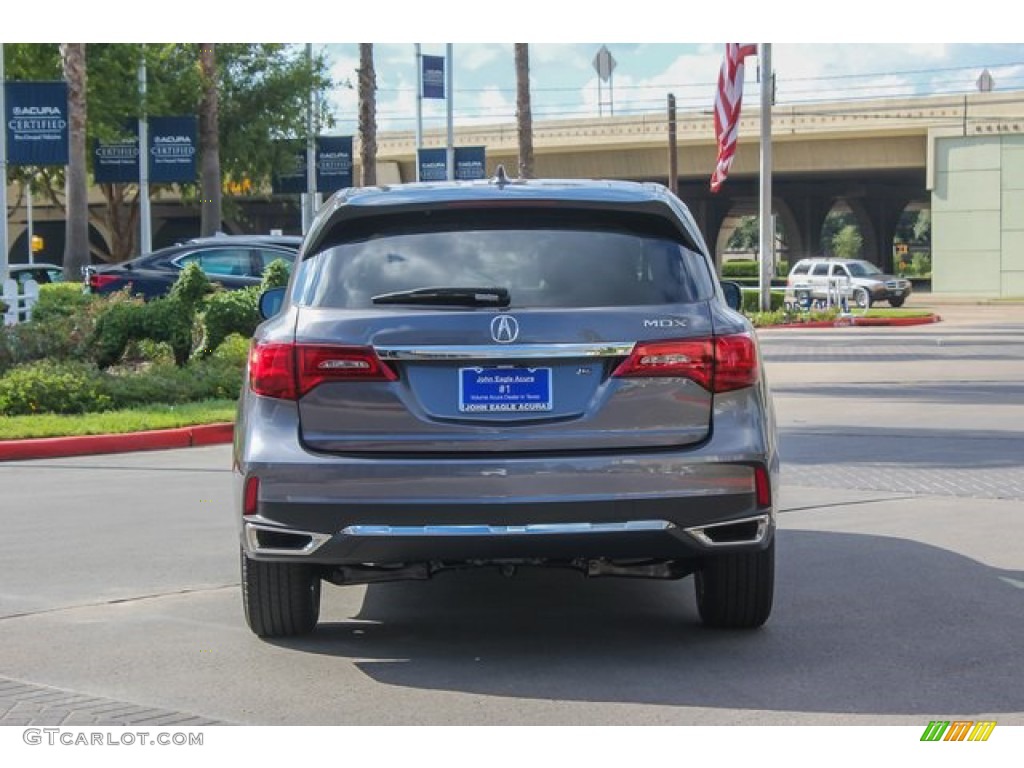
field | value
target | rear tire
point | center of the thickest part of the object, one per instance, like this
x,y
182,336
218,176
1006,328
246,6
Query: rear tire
x,y
280,599
735,591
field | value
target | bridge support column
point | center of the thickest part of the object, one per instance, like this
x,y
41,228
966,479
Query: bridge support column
x,y
709,213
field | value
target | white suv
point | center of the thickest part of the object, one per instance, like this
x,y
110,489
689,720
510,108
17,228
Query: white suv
x,y
811,278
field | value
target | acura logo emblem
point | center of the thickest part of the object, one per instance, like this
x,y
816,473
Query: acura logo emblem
x,y
504,329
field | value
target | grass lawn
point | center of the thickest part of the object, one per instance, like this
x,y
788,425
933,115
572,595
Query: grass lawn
x,y
117,422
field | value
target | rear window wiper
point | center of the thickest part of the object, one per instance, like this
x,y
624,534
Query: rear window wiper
x,y
462,297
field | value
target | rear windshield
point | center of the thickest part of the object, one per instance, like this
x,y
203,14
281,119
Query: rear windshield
x,y
543,261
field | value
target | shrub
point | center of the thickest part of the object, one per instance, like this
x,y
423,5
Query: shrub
x,y
168,319
749,268
217,378
61,300
48,386
752,301
229,312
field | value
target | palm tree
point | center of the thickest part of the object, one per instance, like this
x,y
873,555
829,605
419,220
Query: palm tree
x,y
367,115
524,117
76,190
209,143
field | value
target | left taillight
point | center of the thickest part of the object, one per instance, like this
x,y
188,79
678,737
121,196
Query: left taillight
x,y
719,364
289,371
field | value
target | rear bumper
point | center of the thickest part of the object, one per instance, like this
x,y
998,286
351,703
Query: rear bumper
x,y
347,510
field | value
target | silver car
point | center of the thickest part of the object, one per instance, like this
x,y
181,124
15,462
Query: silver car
x,y
504,374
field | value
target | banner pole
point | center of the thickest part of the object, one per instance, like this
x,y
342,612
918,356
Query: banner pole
x,y
419,108
309,199
145,215
450,73
4,269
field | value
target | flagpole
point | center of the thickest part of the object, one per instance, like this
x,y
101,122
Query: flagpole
x,y
767,244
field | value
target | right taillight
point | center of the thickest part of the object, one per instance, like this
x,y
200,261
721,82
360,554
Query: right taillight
x,y
289,371
719,364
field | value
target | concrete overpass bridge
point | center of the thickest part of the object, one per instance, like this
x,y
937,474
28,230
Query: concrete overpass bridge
x,y
872,158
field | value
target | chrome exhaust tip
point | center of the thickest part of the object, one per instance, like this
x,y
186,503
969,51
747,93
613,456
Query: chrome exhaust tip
x,y
268,540
749,530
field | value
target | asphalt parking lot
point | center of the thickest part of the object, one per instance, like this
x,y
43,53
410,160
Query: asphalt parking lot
x,y
899,594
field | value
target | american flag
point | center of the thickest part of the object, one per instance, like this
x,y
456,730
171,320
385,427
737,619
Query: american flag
x,y
727,107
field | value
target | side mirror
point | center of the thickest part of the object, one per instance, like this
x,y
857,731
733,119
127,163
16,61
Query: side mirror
x,y
270,302
733,295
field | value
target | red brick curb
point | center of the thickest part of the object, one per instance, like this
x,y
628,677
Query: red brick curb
x,y
155,440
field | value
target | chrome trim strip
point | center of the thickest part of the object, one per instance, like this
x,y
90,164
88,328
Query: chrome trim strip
x,y
533,529
506,351
762,529
252,544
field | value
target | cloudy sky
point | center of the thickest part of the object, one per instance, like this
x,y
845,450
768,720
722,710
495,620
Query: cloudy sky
x,y
564,82
650,61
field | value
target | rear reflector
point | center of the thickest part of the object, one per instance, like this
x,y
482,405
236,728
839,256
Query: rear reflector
x,y
289,371
721,364
762,487
251,496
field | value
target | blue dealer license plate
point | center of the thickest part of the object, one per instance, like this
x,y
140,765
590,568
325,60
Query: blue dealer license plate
x,y
490,390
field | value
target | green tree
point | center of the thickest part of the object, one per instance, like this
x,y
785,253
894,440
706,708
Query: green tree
x,y
834,223
76,241
847,242
261,97
368,115
746,236
209,143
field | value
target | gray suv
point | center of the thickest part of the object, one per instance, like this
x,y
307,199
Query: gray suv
x,y
505,374
812,279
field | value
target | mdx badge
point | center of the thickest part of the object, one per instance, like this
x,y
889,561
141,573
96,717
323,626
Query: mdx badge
x,y
504,329
665,322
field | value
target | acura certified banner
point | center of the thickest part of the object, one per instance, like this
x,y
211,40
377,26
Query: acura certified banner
x,y
117,162
36,121
333,166
433,77
333,163
172,149
292,180
470,163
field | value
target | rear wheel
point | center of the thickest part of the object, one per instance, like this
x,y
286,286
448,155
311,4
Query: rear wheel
x,y
280,599
735,591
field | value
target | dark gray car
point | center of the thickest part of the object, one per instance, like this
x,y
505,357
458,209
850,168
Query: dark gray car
x,y
508,374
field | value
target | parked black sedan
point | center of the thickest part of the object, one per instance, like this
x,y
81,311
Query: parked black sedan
x,y
234,261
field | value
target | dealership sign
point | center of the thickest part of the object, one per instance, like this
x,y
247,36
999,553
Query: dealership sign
x,y
172,149
36,121
470,163
117,162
